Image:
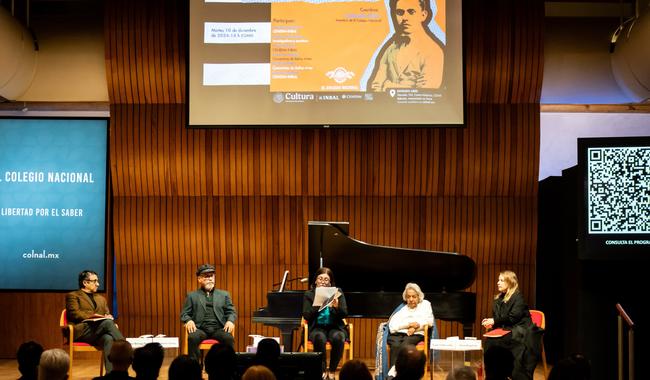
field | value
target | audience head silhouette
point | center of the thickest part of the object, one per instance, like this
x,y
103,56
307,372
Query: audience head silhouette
x,y
268,354
184,368
499,363
410,363
121,355
28,356
462,373
258,372
575,367
54,365
220,362
355,370
147,361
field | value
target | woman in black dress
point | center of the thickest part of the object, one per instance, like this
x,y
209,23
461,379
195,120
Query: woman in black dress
x,y
510,313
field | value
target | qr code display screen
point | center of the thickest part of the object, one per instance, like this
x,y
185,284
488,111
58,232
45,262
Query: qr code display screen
x,y
619,190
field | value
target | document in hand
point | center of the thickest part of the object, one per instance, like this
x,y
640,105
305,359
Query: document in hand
x,y
323,294
330,300
96,318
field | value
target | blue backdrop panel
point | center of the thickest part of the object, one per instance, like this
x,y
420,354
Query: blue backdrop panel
x,y
52,202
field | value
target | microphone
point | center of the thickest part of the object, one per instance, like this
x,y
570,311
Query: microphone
x,y
302,280
299,279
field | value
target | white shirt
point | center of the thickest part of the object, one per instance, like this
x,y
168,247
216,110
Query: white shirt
x,y
422,314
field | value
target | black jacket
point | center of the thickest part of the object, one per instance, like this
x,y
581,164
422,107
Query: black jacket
x,y
195,307
310,313
512,315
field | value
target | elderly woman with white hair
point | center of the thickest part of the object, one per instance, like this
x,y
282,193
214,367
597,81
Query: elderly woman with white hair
x,y
409,320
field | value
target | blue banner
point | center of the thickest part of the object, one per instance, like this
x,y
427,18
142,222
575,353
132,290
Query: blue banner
x,y
52,202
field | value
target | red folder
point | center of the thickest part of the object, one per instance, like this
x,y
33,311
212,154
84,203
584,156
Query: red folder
x,y
496,333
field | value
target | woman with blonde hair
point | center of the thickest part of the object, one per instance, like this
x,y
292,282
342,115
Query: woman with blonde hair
x,y
517,332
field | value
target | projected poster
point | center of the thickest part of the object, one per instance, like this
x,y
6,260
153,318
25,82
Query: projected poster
x,y
52,202
325,62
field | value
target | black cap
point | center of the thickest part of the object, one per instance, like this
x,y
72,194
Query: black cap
x,y
205,268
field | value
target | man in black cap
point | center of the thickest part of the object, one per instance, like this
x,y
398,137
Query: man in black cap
x,y
208,313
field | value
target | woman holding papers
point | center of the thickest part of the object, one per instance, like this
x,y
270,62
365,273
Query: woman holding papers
x,y
324,308
511,327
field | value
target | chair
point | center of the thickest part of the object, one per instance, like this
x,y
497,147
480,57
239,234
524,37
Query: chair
x,y
204,346
540,320
68,332
308,346
423,346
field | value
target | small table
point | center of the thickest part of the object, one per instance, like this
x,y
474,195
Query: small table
x,y
447,354
165,342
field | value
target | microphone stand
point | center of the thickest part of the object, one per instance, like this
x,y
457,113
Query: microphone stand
x,y
320,254
300,279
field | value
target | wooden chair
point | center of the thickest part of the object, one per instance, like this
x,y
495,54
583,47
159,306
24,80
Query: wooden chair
x,y
540,320
348,347
68,335
204,346
422,346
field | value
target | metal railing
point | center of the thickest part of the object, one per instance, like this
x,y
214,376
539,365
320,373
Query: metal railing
x,y
622,316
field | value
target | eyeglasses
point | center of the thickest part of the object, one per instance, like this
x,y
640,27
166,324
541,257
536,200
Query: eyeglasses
x,y
96,281
208,275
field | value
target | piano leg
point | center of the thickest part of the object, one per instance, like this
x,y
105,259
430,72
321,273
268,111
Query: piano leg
x,y
286,331
468,328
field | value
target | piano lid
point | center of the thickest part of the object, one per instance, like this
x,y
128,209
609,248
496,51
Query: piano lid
x,y
363,267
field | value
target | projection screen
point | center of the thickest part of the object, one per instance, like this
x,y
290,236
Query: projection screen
x,y
289,63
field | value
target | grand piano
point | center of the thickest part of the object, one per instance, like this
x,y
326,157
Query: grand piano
x,y
372,278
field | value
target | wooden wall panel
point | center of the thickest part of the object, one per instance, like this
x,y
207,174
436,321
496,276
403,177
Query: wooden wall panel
x,y
145,51
29,316
241,197
492,156
503,51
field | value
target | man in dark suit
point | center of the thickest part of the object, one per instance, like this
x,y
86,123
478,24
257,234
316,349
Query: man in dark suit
x,y
208,313
88,312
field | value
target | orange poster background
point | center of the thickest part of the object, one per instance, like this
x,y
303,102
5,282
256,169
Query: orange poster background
x,y
335,39
440,17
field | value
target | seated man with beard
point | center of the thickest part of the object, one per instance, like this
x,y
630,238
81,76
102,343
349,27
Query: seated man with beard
x,y
208,313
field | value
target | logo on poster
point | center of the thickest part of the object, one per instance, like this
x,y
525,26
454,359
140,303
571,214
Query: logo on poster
x,y
340,75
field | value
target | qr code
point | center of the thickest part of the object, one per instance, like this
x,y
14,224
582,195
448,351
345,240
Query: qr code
x,y
619,190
